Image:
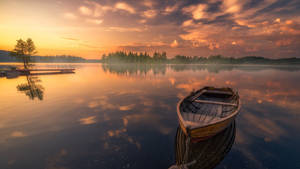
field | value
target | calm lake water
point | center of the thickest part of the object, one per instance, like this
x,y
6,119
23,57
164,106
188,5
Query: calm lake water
x,y
115,117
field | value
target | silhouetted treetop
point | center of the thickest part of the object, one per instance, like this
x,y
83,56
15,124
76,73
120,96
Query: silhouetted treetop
x,y
23,50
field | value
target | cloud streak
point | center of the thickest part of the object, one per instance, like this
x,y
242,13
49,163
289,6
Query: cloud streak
x,y
124,6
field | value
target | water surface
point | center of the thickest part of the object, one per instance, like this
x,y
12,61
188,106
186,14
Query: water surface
x,y
124,116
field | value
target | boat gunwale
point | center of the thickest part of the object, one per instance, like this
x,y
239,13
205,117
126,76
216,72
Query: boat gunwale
x,y
196,125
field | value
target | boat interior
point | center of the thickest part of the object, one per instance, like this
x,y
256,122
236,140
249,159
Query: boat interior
x,y
209,105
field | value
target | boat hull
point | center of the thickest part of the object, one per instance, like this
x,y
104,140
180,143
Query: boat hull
x,y
205,132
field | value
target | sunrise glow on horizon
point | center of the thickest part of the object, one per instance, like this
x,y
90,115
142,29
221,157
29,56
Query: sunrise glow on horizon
x,y
90,28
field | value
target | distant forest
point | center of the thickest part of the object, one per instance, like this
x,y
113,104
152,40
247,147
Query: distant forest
x,y
156,58
132,57
6,57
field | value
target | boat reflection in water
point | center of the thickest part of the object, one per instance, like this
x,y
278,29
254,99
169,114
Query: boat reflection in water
x,y
205,154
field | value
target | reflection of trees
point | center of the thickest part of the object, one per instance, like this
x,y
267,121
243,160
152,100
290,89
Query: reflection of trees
x,y
216,68
205,154
134,69
32,89
144,69
210,68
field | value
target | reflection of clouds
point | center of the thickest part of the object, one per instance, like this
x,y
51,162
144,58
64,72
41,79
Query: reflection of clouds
x,y
172,81
150,119
101,101
279,96
11,162
116,133
261,126
196,83
93,104
252,87
88,120
165,106
255,162
105,145
144,116
104,103
56,161
127,92
106,117
1,125
255,127
230,82
127,107
125,122
181,95
17,134
78,100
147,102
138,113
191,85
121,133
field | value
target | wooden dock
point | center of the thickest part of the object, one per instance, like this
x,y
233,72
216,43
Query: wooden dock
x,y
24,72
42,70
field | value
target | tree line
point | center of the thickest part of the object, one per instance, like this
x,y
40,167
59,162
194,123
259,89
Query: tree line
x,y
134,57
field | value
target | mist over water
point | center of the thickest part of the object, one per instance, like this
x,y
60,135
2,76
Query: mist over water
x,y
124,116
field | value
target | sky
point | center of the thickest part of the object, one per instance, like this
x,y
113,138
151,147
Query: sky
x,y
90,28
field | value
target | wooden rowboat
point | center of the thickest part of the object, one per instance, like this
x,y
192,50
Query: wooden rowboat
x,y
208,111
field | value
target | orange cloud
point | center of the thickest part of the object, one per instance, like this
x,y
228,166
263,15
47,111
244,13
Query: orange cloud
x,y
188,23
17,134
197,11
232,6
174,44
284,42
124,6
85,10
127,107
170,9
148,3
150,13
288,22
69,15
99,9
94,21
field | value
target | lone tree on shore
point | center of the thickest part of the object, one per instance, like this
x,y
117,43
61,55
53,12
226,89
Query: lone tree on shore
x,y
23,50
